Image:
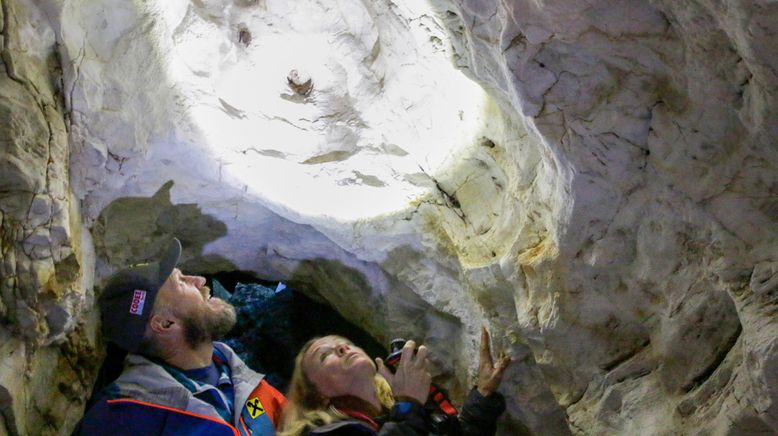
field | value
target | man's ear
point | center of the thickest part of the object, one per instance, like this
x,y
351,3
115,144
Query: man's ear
x,y
162,323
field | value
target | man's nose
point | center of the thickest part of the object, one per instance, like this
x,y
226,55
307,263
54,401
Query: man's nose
x,y
197,281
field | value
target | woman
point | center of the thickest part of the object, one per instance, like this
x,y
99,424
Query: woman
x,y
336,389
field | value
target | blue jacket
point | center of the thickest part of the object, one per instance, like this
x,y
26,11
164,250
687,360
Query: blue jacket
x,y
151,399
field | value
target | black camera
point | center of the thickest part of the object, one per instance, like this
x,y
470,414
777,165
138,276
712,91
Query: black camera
x,y
395,352
443,414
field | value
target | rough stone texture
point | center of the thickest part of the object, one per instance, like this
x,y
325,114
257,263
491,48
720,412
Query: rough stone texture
x,y
660,120
47,358
607,207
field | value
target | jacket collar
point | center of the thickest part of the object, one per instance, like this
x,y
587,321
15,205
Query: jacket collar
x,y
145,380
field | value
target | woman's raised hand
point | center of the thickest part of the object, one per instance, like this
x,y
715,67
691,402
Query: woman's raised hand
x,y
412,379
489,374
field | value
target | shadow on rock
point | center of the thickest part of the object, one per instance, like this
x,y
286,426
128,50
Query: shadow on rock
x,y
131,228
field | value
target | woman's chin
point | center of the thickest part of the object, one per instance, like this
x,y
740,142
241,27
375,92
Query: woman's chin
x,y
362,364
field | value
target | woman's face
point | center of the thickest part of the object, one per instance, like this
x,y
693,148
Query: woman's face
x,y
337,367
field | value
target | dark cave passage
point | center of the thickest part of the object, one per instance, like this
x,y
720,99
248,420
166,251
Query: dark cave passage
x,y
272,326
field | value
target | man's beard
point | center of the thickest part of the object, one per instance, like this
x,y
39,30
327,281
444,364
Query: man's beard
x,y
208,322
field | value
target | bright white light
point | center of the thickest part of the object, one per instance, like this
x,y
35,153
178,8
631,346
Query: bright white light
x,y
386,105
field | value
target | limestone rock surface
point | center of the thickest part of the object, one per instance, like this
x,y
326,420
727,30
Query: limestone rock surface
x,y
47,355
595,181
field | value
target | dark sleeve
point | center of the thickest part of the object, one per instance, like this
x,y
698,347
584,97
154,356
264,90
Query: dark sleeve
x,y
406,419
343,428
98,416
479,414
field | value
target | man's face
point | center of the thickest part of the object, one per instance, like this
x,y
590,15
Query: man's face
x,y
203,318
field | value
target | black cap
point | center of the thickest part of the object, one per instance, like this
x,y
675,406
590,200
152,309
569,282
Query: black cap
x,y
128,297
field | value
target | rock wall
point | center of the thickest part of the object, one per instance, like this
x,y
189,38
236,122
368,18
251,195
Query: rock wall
x,y
604,202
659,118
47,350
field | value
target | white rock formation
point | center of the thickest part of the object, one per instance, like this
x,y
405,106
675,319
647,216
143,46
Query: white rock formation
x,y
602,193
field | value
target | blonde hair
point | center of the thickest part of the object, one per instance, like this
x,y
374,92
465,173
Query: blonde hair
x,y
307,409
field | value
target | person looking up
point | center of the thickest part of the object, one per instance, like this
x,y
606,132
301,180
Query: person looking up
x,y
177,380
336,389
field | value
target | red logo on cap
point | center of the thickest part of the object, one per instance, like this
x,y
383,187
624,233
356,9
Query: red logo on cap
x,y
138,299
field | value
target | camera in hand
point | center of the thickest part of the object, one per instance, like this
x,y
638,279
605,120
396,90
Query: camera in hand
x,y
395,352
443,414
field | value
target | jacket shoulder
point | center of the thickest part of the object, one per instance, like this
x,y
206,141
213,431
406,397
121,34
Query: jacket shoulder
x,y
129,417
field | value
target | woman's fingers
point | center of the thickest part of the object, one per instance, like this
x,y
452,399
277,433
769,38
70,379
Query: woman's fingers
x,y
411,380
421,357
383,370
407,353
502,364
486,349
499,370
489,374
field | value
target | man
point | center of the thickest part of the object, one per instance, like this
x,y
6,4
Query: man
x,y
176,379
